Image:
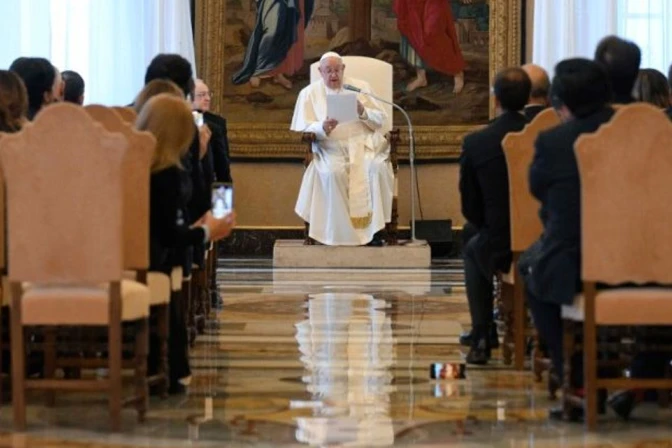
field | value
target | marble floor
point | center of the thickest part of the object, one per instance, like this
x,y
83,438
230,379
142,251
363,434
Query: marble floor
x,y
335,358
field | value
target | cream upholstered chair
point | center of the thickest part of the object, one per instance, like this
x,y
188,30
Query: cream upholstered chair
x,y
137,167
526,226
4,294
126,113
64,187
626,237
379,75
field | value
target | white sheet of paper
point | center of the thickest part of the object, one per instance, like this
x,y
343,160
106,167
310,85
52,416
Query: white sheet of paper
x,y
343,107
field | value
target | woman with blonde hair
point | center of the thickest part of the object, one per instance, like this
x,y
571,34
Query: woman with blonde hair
x,y
13,102
154,88
170,120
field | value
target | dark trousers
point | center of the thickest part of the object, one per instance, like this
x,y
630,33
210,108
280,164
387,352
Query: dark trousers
x,y
178,343
479,283
547,316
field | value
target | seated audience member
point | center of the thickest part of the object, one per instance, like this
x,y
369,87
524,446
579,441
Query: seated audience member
x,y
13,102
175,68
219,143
540,88
580,93
42,80
154,88
651,87
484,189
620,59
170,120
74,87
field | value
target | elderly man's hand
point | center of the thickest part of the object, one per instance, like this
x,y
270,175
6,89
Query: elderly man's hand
x,y
329,125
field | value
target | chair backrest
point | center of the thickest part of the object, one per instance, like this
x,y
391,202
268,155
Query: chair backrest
x,y
127,113
63,178
3,218
524,208
137,166
626,191
378,74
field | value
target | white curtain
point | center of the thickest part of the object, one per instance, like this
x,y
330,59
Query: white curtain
x,y
109,42
571,28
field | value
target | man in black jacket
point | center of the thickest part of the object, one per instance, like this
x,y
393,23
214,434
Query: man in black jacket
x,y
580,93
484,189
219,143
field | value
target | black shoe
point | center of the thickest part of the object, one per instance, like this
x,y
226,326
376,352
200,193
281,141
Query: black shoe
x,y
479,353
377,241
558,414
216,300
465,338
623,403
177,389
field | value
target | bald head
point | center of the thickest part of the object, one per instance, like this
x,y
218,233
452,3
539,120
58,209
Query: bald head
x,y
541,84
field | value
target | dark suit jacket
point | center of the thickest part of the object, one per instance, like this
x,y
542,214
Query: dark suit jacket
x,y
669,112
170,237
199,199
219,147
532,111
484,188
554,181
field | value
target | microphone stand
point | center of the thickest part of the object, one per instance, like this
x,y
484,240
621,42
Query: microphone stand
x,y
411,157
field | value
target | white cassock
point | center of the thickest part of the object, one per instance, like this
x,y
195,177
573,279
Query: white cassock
x,y
346,193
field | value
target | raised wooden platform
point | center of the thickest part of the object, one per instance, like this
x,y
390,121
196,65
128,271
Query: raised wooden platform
x,y
294,254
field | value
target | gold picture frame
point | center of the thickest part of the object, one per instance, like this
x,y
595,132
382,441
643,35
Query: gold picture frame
x,y
275,141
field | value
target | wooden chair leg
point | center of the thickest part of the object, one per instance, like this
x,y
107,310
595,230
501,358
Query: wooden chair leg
x,y
507,318
49,368
519,322
18,371
590,375
115,392
566,375
141,387
163,319
2,354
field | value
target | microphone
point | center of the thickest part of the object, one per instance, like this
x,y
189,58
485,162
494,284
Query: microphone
x,y
411,157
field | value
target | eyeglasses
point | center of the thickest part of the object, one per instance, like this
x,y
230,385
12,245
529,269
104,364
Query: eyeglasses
x,y
205,94
332,71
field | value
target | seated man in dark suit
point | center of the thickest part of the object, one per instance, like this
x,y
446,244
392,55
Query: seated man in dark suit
x,y
580,93
539,94
620,58
484,189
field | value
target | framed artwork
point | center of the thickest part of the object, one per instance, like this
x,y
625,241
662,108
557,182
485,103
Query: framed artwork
x,y
256,57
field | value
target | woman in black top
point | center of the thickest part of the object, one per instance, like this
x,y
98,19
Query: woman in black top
x,y
169,118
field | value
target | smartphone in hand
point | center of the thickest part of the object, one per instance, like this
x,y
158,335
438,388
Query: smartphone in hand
x,y
222,199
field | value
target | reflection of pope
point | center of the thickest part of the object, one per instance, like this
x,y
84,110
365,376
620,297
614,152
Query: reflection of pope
x,y
347,349
346,193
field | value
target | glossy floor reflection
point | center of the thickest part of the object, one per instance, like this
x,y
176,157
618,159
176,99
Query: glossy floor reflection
x,y
335,358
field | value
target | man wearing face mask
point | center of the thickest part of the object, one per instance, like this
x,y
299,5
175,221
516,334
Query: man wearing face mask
x,y
347,190
43,82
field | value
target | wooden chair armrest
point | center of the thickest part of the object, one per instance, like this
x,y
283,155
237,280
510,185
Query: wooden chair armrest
x,y
308,137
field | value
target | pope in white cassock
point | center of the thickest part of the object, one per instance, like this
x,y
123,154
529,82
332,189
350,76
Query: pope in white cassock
x,y
346,193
